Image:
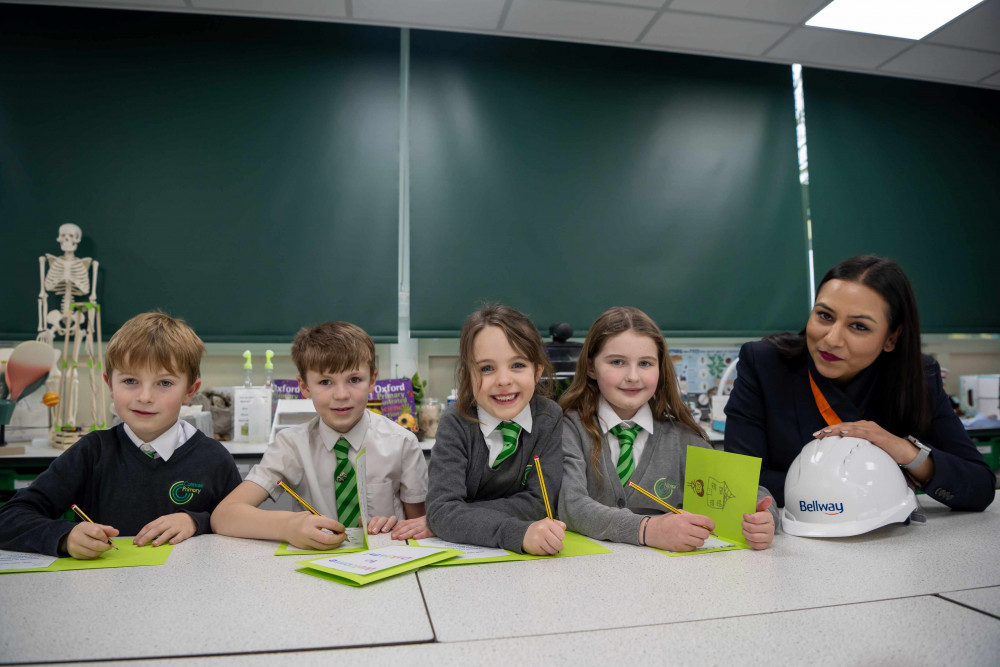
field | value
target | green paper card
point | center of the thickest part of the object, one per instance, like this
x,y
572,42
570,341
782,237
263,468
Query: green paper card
x,y
573,545
723,486
127,555
365,567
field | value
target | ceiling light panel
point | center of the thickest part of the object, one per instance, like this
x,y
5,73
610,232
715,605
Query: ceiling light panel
x,y
908,19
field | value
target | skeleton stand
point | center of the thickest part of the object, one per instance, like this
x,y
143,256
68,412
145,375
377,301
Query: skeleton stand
x,y
79,321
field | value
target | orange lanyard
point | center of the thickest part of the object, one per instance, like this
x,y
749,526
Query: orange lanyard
x,y
824,408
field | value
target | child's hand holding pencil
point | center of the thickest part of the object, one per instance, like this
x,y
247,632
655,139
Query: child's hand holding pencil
x,y
312,530
678,531
544,537
88,540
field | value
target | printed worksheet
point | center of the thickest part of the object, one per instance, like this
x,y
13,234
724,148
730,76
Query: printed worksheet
x,y
715,543
19,560
368,562
471,550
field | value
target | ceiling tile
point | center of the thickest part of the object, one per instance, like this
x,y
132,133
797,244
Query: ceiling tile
x,y
979,28
710,33
783,11
123,4
327,8
577,20
838,48
992,81
475,14
944,62
652,4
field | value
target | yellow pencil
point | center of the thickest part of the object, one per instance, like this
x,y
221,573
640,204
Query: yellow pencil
x,y
541,482
296,496
80,513
662,502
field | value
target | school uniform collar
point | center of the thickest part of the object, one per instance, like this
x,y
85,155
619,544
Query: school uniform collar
x,y
356,436
607,418
169,440
488,423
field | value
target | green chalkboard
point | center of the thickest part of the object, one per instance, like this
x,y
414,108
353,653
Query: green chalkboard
x,y
241,173
908,170
563,179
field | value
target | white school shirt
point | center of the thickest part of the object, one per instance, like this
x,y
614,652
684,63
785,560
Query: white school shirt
x,y
169,440
607,419
494,438
303,458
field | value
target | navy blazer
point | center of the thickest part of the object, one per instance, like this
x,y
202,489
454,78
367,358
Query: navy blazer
x,y
771,413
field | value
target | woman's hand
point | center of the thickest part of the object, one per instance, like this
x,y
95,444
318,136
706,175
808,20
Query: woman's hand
x,y
901,450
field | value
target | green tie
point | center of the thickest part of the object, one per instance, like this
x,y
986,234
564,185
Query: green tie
x,y
626,463
509,431
346,486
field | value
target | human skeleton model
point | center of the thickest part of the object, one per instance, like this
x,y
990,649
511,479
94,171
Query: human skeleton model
x,y
71,277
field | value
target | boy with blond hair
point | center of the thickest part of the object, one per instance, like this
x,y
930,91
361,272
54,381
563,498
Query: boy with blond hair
x,y
152,476
336,364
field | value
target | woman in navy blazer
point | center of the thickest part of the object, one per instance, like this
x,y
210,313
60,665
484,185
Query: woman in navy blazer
x,y
856,369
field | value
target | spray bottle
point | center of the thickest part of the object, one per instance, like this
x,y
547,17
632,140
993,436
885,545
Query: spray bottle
x,y
247,371
268,369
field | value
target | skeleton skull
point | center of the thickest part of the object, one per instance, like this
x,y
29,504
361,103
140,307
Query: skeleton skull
x,y
69,237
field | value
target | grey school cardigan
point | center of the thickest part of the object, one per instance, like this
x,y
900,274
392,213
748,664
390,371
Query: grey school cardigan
x,y
598,506
469,502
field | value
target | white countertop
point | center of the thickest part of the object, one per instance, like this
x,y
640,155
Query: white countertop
x,y
215,594
888,632
918,594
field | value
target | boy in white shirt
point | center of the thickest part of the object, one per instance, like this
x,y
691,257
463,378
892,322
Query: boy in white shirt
x,y
336,364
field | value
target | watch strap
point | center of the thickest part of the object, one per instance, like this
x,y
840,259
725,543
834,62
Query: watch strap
x,y
922,455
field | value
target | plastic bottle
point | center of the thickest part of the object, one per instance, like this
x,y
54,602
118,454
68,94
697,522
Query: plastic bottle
x,y
247,370
452,398
268,369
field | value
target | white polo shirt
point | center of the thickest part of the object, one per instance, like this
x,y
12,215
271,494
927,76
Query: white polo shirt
x,y
303,458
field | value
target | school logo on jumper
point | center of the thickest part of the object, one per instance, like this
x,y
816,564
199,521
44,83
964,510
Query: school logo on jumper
x,y
829,509
664,488
182,492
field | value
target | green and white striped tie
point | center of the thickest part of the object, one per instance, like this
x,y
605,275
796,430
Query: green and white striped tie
x,y
346,486
509,431
626,462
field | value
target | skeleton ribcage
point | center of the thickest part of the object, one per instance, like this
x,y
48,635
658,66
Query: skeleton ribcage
x,y
73,272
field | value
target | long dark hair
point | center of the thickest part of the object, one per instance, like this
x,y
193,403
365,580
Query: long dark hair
x,y
583,393
904,409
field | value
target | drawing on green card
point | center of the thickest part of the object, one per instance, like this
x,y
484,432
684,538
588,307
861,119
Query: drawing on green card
x,y
718,493
698,487
664,488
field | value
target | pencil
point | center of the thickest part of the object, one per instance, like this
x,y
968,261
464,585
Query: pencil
x,y
662,502
298,498
80,513
541,482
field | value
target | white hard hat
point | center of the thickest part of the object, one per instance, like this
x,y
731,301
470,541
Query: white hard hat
x,y
841,486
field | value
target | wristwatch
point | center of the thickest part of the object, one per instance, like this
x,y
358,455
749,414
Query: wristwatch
x,y
921,455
